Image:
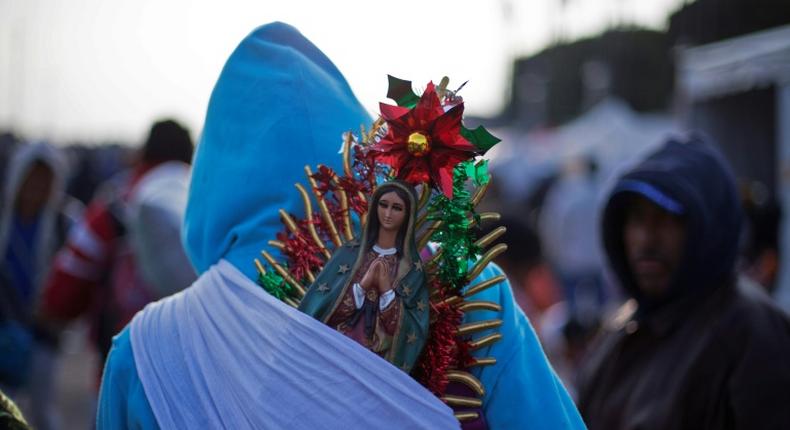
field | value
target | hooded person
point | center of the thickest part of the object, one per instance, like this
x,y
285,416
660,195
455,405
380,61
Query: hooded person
x,y
31,205
31,227
226,354
696,348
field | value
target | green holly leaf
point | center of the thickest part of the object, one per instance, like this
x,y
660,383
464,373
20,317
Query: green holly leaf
x,y
480,175
480,138
478,172
400,91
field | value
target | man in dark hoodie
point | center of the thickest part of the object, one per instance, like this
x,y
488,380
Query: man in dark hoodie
x,y
695,348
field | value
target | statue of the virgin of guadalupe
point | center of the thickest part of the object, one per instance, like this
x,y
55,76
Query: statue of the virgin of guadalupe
x,y
374,291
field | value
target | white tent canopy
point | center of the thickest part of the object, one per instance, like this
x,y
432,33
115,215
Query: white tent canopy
x,y
610,132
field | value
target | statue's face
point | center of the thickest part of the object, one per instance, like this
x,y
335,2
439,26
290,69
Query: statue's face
x,y
391,211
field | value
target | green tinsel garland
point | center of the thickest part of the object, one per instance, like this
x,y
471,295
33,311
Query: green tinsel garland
x,y
453,236
275,285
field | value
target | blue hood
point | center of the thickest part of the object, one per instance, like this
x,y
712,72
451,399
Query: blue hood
x,y
691,178
279,104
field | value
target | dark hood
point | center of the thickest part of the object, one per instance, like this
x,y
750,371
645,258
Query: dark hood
x,y
692,173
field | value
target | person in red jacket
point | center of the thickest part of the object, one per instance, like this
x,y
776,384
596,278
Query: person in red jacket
x,y
97,272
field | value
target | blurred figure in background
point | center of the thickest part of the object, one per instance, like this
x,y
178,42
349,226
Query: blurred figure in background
x,y
111,264
31,228
568,227
760,252
696,348
540,296
534,286
8,141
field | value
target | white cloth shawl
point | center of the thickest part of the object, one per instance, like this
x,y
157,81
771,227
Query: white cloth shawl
x,y
225,354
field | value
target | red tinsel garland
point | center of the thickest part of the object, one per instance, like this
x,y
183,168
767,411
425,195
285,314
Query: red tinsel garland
x,y
301,253
444,349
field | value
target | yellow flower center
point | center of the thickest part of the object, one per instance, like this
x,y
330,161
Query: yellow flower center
x,y
418,144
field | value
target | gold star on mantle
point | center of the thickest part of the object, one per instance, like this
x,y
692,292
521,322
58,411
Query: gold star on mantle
x,y
343,269
418,266
421,305
411,338
322,287
407,291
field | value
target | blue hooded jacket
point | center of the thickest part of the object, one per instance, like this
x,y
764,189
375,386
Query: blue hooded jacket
x,y
280,104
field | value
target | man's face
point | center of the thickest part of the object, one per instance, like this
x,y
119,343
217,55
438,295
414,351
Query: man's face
x,y
654,241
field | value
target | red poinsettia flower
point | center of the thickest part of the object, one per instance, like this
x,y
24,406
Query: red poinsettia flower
x,y
424,144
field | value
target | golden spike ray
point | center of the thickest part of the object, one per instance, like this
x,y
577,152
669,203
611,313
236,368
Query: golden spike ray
x,y
323,208
490,237
484,341
474,289
346,215
277,244
435,257
441,90
479,305
260,267
289,222
485,216
484,260
347,154
420,221
467,379
470,402
344,208
484,361
362,197
473,327
308,208
425,194
453,300
480,193
375,129
466,416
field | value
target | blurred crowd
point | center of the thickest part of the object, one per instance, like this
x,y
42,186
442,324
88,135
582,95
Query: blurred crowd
x,y
89,234
648,269
93,233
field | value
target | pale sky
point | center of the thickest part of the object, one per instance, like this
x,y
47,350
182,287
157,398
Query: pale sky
x,y
98,69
